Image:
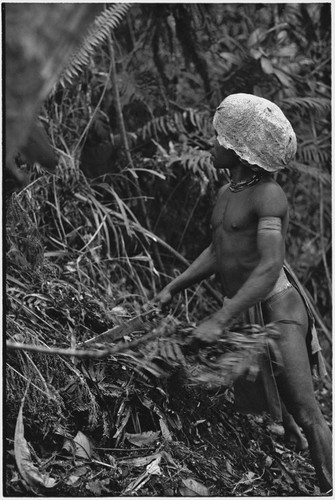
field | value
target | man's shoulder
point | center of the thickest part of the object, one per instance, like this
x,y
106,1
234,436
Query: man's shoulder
x,y
269,195
268,186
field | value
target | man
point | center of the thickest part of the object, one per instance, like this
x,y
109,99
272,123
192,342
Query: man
x,y
249,224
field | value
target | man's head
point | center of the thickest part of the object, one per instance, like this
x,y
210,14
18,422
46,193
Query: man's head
x,y
257,130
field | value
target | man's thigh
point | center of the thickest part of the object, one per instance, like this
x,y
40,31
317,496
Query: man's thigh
x,y
294,380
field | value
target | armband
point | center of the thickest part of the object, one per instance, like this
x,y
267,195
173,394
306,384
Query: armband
x,y
269,224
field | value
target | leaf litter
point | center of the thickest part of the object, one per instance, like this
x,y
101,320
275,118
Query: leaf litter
x,y
184,426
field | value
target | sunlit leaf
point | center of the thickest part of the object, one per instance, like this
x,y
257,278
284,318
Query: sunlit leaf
x,y
266,65
29,472
165,430
256,37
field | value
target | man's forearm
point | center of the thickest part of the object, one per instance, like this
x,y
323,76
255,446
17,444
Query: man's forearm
x,y
254,290
203,267
263,278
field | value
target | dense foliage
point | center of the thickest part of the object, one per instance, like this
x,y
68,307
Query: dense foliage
x,y
174,64
132,197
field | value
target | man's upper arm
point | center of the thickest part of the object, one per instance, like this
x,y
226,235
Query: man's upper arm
x,y
271,209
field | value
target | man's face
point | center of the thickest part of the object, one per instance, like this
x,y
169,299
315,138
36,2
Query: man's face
x,y
222,157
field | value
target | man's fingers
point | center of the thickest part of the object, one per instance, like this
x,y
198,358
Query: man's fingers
x,y
208,332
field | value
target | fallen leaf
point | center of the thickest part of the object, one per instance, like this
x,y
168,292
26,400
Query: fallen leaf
x,y
137,462
80,446
72,480
169,459
249,476
165,431
151,469
229,466
122,424
83,445
193,488
28,471
142,439
81,471
94,487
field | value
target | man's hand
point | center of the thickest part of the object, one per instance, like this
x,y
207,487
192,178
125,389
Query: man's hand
x,y
164,297
211,330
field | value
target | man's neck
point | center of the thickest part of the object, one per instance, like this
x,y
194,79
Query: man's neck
x,y
240,173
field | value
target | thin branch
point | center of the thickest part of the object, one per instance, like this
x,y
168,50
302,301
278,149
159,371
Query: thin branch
x,y
97,108
173,252
86,353
125,142
195,206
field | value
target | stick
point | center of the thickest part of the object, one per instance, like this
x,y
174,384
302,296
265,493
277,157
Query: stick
x,y
87,353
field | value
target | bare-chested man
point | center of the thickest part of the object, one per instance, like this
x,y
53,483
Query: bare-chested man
x,y
249,223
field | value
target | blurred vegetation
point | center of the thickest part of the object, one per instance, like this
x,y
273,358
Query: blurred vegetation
x,y
87,248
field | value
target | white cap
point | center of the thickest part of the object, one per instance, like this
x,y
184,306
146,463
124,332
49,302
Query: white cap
x,y
257,130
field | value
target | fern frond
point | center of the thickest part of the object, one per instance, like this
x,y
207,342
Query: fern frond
x,y
311,152
319,105
101,28
179,122
314,172
197,161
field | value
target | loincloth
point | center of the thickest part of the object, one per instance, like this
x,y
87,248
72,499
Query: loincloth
x,y
262,394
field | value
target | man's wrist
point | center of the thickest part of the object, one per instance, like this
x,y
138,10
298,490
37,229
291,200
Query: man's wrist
x,y
224,317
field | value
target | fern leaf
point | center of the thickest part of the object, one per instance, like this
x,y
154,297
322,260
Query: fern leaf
x,y
312,171
198,161
311,152
106,22
186,122
319,105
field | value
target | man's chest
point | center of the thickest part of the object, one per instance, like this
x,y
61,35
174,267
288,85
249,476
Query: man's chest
x,y
233,212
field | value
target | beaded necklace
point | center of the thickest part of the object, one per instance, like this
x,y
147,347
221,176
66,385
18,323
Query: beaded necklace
x,y
235,187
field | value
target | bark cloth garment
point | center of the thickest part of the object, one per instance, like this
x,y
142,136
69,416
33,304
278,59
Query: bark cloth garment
x,y
262,394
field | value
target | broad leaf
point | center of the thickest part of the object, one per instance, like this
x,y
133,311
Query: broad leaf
x,y
142,439
29,472
192,488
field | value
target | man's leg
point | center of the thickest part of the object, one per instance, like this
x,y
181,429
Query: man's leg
x,y
293,434
295,382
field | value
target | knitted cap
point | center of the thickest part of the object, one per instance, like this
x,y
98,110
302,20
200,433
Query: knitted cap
x,y
257,130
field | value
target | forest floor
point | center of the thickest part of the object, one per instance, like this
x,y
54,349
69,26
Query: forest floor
x,y
216,452
169,438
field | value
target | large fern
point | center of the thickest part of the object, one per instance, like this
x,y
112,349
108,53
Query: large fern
x,y
198,162
98,33
319,105
181,122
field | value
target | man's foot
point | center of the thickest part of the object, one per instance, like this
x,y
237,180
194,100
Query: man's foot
x,y
292,436
296,439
